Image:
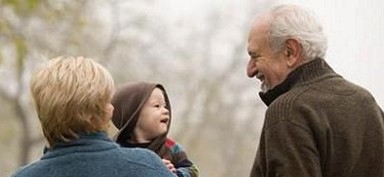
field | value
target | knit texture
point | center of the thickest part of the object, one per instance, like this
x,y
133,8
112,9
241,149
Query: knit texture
x,y
320,125
178,156
95,155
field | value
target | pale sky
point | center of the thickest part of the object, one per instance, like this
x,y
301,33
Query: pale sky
x,y
355,31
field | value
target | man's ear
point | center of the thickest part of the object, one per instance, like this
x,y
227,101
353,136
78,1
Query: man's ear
x,y
293,52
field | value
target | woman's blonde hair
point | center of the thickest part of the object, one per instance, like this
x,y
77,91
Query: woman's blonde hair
x,y
71,97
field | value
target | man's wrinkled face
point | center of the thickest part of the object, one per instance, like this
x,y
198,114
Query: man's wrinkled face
x,y
269,68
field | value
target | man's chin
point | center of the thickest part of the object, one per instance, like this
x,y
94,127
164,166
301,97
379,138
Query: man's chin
x,y
264,87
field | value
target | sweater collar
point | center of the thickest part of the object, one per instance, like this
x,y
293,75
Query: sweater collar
x,y
83,139
84,142
303,73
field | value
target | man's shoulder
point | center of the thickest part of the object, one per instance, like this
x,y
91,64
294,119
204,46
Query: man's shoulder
x,y
329,87
327,90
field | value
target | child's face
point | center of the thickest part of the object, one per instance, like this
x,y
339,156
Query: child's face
x,y
154,118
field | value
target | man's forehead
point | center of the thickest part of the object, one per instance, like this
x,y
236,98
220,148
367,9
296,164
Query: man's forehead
x,y
256,38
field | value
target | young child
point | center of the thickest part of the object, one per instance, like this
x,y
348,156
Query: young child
x,y
143,116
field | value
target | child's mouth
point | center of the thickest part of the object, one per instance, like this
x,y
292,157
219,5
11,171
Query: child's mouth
x,y
165,121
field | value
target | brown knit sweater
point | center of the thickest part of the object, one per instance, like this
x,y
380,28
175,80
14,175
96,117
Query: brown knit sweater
x,y
320,125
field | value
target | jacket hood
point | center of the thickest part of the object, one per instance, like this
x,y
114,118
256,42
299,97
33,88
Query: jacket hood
x,y
128,102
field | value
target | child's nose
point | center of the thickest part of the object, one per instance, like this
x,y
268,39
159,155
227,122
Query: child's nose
x,y
165,110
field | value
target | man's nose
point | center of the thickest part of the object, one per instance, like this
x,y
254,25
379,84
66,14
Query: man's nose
x,y
251,68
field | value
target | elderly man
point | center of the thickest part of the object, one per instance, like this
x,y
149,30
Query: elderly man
x,y
317,124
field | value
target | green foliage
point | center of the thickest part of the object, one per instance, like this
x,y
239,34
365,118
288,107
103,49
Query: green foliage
x,y
1,57
4,28
22,7
21,49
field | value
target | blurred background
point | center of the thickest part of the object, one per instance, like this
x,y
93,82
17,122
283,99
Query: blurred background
x,y
196,49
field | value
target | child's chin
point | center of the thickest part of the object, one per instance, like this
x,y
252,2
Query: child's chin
x,y
164,130
164,127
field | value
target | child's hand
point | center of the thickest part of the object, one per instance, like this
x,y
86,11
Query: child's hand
x,y
169,165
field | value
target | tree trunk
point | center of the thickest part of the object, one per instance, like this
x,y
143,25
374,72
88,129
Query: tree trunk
x,y
25,138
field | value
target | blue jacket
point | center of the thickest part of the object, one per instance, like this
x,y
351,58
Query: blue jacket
x,y
95,155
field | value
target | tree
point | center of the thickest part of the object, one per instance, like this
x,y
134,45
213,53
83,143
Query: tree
x,y
29,31
200,63
201,68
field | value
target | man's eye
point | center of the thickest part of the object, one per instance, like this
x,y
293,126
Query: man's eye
x,y
255,57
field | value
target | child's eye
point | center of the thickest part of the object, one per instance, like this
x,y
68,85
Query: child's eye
x,y
160,105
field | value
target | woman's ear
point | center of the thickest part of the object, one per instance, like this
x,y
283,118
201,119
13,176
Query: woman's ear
x,y
293,53
107,117
110,109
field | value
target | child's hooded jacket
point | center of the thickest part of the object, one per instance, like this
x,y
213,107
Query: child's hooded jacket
x,y
128,102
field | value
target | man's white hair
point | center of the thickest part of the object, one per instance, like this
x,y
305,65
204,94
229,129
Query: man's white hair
x,y
293,22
